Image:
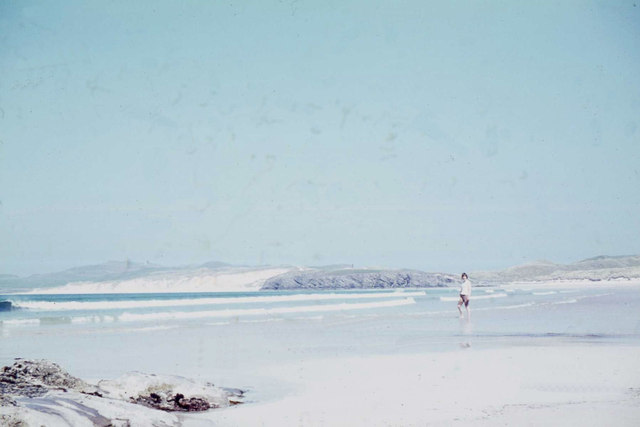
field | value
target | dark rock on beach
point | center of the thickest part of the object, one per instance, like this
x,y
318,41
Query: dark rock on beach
x,y
33,378
33,389
173,402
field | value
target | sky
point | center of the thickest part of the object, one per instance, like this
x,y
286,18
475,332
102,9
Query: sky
x,y
438,135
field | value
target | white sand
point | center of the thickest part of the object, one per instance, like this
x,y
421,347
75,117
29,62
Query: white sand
x,y
586,385
555,384
233,279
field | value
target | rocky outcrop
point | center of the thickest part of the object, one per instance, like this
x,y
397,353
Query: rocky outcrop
x,y
41,373
173,402
30,378
357,279
169,393
41,392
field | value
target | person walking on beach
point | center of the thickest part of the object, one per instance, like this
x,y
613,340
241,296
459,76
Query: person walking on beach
x,y
465,294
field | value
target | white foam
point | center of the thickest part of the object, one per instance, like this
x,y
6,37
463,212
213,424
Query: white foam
x,y
123,305
21,322
181,315
545,293
596,296
93,319
85,319
262,320
319,317
568,301
431,313
506,307
151,328
474,297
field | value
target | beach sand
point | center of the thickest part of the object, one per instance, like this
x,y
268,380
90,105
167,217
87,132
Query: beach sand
x,y
534,384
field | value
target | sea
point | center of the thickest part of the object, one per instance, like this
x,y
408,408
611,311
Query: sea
x,y
236,336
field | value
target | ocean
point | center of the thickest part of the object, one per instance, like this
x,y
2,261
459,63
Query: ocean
x,y
236,336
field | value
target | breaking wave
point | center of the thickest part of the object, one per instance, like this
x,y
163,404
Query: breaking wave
x,y
163,303
456,298
185,315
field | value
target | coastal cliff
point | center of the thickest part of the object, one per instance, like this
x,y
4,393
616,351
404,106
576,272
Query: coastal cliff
x,y
357,279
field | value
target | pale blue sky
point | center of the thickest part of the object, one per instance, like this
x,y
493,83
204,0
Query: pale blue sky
x,y
444,136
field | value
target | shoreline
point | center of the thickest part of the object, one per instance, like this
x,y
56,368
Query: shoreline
x,y
577,283
108,288
550,361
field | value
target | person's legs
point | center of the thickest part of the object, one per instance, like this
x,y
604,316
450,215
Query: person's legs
x,y
466,305
460,302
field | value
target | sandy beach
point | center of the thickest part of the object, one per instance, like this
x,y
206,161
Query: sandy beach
x,y
526,384
531,354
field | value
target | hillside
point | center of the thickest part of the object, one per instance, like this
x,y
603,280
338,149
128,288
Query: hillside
x,y
128,277
595,269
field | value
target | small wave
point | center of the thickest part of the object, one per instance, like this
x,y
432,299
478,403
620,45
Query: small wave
x,y
506,307
567,301
320,317
595,296
93,319
545,293
151,328
218,323
21,322
431,313
132,317
261,320
474,297
130,304
5,306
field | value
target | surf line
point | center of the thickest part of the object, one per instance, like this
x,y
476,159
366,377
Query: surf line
x,y
490,296
113,305
132,317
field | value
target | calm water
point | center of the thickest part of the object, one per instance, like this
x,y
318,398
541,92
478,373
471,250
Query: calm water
x,y
236,336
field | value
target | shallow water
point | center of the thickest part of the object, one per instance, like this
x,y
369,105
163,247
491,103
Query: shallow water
x,y
234,338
